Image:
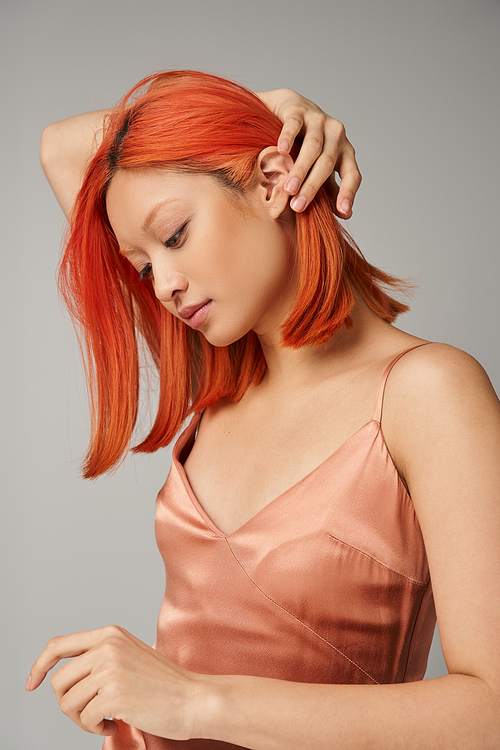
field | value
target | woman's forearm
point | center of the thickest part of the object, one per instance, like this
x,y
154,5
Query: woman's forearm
x,y
456,712
65,151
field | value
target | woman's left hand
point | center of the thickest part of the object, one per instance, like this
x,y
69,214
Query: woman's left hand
x,y
113,675
325,150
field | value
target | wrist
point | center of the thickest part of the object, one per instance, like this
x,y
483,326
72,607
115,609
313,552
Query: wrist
x,y
210,705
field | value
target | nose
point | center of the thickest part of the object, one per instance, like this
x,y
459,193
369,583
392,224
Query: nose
x,y
168,284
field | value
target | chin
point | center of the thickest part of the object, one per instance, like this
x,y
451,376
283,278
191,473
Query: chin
x,y
223,338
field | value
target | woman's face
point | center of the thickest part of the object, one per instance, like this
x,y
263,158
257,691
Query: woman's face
x,y
221,263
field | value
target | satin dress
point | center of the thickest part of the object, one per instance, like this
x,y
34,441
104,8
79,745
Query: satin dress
x,y
328,583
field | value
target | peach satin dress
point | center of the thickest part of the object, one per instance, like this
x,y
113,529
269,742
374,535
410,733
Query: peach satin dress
x,y
329,583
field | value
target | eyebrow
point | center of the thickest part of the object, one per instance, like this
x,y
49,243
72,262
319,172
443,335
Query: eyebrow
x,y
152,214
148,221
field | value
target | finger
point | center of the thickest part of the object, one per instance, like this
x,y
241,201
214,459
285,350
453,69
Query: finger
x,y
332,184
291,128
93,719
346,166
64,647
69,675
344,194
60,647
80,667
77,697
334,144
106,728
311,150
350,181
321,171
84,706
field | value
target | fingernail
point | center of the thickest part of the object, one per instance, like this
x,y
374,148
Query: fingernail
x,y
28,683
284,147
298,203
346,206
292,186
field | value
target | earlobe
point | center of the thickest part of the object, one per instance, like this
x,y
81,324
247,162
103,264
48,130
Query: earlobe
x,y
273,170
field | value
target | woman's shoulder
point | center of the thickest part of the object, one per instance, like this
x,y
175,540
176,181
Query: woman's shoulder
x,y
436,371
437,396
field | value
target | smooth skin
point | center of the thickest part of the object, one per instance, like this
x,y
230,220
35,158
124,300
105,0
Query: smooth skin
x,y
441,423
221,250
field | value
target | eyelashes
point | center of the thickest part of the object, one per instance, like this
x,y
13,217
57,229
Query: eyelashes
x,y
146,272
175,238
173,242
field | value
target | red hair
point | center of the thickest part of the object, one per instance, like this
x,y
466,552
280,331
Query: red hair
x,y
201,123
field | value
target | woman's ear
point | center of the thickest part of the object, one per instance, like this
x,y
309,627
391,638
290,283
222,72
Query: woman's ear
x,y
273,169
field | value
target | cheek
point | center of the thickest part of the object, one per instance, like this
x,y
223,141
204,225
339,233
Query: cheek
x,y
230,259
247,259
261,255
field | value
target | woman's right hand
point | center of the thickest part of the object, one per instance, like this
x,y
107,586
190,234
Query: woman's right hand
x,y
112,675
325,150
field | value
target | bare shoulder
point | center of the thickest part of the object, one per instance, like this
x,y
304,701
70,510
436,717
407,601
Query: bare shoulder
x,y
438,396
441,423
438,375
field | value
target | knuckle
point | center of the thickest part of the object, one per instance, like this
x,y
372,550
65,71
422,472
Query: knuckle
x,y
310,190
337,129
113,631
295,121
85,721
355,178
54,643
318,118
299,172
314,143
111,648
65,705
54,681
114,688
327,161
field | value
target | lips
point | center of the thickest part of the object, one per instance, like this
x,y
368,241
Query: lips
x,y
194,315
188,310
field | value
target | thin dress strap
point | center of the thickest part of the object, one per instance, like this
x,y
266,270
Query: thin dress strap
x,y
377,411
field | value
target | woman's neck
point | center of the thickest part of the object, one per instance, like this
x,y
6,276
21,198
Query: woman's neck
x,y
290,369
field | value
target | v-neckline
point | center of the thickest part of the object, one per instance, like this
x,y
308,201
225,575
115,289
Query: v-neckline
x,y
187,434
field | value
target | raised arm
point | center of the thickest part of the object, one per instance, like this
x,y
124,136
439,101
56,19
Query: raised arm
x,y
65,150
68,145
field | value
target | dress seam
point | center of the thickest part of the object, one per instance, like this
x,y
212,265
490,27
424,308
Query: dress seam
x,y
296,618
387,567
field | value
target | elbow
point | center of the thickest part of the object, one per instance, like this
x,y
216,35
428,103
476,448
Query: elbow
x,y
491,738
496,722
48,147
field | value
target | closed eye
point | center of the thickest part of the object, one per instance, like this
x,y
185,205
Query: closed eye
x,y
146,272
173,241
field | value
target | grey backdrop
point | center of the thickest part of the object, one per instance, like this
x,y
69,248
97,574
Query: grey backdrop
x,y
416,84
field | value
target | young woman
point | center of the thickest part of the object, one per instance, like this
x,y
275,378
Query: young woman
x,y
334,465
